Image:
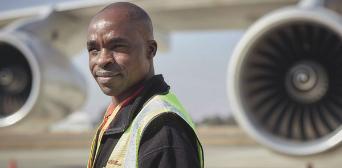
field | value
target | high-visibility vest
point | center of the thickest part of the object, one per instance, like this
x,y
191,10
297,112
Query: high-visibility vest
x,y
125,153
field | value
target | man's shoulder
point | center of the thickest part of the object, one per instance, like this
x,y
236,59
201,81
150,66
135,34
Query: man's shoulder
x,y
168,129
168,140
168,121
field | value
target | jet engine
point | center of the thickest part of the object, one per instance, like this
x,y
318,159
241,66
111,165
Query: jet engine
x,y
285,80
38,83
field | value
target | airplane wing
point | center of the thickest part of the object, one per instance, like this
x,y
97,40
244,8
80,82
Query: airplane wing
x,y
170,15
72,17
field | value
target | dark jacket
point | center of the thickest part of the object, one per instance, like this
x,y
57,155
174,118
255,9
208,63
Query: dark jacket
x,y
168,141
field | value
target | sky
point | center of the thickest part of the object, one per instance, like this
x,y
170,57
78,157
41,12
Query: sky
x,y
196,69
194,66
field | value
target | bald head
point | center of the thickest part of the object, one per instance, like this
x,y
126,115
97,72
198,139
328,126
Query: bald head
x,y
121,48
126,12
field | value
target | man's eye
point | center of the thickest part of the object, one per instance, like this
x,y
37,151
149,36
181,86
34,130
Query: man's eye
x,y
93,52
119,48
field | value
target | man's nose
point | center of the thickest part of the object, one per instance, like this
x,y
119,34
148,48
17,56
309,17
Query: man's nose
x,y
105,58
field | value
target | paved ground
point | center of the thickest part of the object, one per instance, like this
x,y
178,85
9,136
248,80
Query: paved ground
x,y
215,157
223,148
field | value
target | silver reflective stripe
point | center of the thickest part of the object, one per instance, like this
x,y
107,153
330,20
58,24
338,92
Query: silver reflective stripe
x,y
154,107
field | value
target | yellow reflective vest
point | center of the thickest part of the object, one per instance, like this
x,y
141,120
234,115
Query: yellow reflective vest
x,y
125,153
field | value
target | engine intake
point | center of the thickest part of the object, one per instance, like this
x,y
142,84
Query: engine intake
x,y
38,85
15,80
285,80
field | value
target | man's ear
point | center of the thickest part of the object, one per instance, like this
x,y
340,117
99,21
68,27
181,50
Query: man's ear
x,y
152,48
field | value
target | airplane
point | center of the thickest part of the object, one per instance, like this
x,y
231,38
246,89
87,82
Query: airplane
x,y
59,31
289,55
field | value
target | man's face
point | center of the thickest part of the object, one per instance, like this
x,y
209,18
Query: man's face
x,y
118,56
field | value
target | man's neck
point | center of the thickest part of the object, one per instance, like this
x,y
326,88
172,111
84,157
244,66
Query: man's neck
x,y
122,97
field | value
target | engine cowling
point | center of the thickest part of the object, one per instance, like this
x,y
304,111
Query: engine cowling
x,y
284,80
38,84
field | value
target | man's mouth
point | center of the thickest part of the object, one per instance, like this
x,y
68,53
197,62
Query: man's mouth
x,y
105,76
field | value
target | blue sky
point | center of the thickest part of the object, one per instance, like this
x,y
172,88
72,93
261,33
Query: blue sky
x,y
195,67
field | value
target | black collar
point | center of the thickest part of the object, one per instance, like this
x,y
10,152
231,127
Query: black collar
x,y
155,85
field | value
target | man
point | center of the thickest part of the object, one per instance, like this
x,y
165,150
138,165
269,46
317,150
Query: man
x,y
145,125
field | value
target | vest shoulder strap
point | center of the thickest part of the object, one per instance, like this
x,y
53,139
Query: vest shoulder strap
x,y
125,153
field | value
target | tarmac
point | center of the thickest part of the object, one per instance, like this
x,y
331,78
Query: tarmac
x,y
224,147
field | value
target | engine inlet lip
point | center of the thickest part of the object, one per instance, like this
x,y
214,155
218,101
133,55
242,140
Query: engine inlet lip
x,y
19,44
277,18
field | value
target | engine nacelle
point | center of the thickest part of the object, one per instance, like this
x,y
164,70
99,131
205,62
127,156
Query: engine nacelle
x,y
38,84
285,80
